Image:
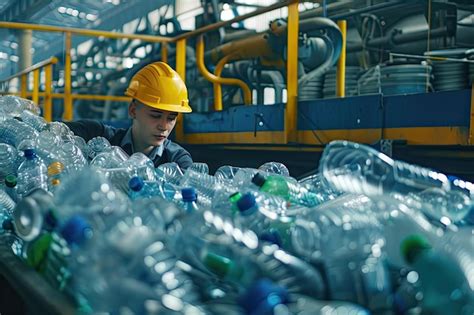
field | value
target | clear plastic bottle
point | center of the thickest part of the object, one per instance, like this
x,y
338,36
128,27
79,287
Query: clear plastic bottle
x,y
169,172
264,297
14,105
214,245
444,286
55,173
374,174
287,188
317,184
32,173
144,189
205,185
274,168
33,214
8,160
6,203
98,145
72,157
11,187
142,166
96,194
189,200
348,242
35,121
200,167
13,132
226,172
260,214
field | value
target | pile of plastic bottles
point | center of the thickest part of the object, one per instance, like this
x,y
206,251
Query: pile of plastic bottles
x,y
365,235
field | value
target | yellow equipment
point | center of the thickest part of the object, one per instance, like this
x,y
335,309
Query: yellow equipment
x,y
159,86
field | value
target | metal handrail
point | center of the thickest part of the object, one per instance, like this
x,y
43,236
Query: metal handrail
x,y
39,65
85,32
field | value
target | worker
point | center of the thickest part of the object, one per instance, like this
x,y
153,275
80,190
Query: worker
x,y
158,95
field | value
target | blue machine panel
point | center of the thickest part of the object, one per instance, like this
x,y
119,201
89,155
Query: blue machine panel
x,y
237,119
361,112
439,109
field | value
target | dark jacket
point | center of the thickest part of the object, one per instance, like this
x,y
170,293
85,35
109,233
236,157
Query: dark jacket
x,y
88,129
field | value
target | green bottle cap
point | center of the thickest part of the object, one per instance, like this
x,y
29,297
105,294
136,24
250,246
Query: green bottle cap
x,y
10,181
218,264
37,251
235,197
412,246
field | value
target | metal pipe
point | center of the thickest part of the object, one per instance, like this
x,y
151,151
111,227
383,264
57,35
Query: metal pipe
x,y
394,39
341,63
218,25
85,32
214,79
217,86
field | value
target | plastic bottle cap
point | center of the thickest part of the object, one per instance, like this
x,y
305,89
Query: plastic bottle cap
x,y
10,181
271,236
218,264
136,183
412,246
189,194
262,297
246,203
235,197
29,153
55,168
76,230
7,225
258,179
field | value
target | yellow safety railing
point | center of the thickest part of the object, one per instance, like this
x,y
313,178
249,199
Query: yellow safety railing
x,y
180,40
47,67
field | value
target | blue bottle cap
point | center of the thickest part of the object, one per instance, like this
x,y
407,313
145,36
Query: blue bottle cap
x,y
136,183
7,225
246,204
262,297
189,194
76,230
452,178
29,153
271,236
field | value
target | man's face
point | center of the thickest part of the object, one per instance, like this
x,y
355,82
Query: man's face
x,y
150,125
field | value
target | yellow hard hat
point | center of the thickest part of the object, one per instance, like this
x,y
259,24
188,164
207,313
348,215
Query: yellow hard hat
x,y
159,86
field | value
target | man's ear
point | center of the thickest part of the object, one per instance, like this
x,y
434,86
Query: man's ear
x,y
132,110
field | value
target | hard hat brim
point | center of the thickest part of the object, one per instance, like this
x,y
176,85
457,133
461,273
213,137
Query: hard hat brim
x,y
169,107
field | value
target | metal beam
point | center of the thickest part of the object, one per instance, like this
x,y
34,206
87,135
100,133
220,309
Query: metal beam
x,y
124,13
21,10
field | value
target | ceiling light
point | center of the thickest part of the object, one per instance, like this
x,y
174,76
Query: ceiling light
x,y
62,10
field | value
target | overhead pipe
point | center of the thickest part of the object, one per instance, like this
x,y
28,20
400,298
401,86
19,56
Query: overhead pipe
x,y
214,79
332,39
398,38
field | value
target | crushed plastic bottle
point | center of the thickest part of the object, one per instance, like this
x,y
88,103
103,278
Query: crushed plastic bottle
x,y
32,173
